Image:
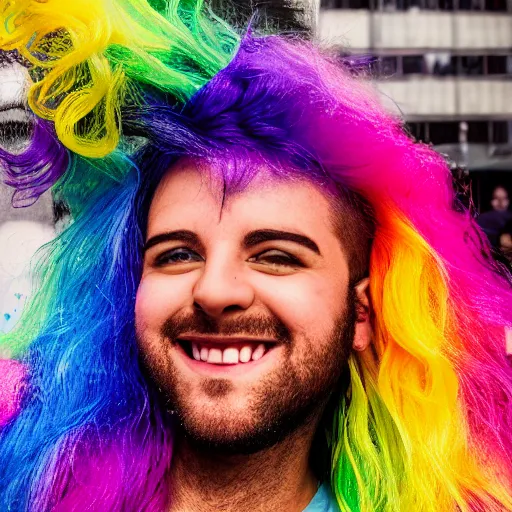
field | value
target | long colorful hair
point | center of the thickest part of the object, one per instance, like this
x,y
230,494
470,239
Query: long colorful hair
x,y
425,422
89,58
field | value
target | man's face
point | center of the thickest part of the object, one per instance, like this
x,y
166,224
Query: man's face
x,y
243,312
500,199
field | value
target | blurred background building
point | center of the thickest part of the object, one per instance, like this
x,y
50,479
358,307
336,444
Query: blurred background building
x,y
447,65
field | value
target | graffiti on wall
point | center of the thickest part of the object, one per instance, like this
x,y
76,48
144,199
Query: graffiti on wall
x,y
22,230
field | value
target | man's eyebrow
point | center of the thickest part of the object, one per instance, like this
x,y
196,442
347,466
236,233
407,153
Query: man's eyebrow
x,y
182,235
264,235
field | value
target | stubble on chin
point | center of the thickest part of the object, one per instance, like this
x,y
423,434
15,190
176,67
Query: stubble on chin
x,y
216,388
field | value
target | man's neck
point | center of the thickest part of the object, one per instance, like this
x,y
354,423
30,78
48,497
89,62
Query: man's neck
x,y
278,478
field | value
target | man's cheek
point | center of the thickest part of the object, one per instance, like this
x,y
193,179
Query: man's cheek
x,y
155,302
304,303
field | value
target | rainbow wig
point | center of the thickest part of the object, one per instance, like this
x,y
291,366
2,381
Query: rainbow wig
x,y
425,423
91,57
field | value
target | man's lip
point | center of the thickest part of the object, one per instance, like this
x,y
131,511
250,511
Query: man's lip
x,y
226,340
240,370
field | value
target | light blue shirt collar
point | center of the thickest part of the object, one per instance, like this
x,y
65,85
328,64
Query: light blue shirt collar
x,y
323,501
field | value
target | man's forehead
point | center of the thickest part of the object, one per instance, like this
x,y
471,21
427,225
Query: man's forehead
x,y
189,182
198,194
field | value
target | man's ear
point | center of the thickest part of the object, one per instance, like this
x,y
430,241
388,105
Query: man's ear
x,y
363,328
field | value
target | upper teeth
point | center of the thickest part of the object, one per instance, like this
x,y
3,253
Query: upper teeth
x,y
229,355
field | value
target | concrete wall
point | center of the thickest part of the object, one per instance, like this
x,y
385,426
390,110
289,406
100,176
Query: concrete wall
x,y
347,28
450,97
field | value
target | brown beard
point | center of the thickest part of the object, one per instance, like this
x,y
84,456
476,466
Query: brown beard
x,y
286,400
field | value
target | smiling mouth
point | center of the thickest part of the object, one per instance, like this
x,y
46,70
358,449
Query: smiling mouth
x,y
226,352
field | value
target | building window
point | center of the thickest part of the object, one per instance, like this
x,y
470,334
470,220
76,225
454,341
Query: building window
x,y
388,66
470,65
471,5
442,64
413,65
448,132
401,5
501,132
443,132
495,5
497,64
418,131
478,132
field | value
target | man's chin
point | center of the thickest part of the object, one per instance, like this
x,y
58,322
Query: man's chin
x,y
239,426
216,420
230,437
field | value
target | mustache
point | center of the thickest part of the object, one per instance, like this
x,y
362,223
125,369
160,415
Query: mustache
x,y
200,323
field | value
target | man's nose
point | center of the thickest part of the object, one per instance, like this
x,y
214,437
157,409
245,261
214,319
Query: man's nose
x,y
221,288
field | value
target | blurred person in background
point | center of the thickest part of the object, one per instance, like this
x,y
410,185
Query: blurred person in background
x,y
506,241
493,221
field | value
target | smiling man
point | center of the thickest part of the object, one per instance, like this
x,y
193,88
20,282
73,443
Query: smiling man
x,y
251,262
273,304
246,314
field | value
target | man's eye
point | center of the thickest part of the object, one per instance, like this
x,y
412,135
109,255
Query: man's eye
x,y
275,257
176,256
